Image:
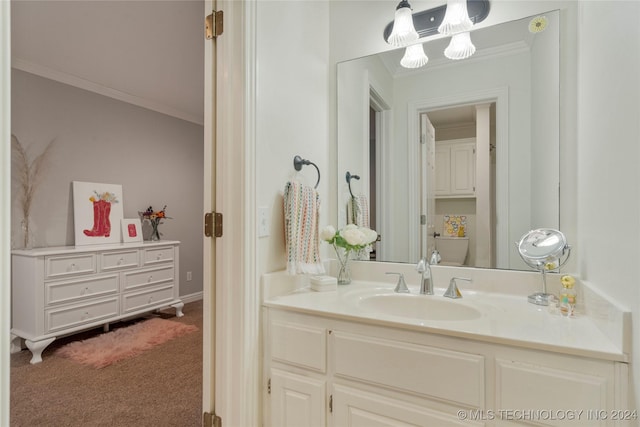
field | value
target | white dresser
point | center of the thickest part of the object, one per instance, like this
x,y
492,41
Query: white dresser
x,y
57,291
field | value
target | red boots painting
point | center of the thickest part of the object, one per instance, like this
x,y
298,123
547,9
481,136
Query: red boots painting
x,y
101,212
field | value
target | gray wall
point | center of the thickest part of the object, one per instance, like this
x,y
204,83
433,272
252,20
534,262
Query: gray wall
x,y
156,158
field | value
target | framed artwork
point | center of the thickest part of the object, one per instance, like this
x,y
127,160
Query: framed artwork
x,y
131,230
97,213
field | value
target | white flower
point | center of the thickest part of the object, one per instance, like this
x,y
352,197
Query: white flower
x,y
369,234
354,236
328,233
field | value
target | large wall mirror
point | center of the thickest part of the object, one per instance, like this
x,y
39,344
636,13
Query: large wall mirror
x,y
466,149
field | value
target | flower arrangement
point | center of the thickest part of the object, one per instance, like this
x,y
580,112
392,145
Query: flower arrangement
x,y
350,238
154,218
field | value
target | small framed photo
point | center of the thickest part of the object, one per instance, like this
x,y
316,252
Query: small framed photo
x,y
131,230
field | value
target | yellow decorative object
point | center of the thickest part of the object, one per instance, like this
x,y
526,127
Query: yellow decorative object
x,y
538,24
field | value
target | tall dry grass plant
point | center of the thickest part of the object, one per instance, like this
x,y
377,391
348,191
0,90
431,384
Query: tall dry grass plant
x,y
28,173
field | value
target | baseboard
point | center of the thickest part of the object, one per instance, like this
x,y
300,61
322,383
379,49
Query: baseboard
x,y
191,297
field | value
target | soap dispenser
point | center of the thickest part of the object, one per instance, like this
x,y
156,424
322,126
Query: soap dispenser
x,y
567,297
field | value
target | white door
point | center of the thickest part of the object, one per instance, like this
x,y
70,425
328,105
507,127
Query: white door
x,y
427,187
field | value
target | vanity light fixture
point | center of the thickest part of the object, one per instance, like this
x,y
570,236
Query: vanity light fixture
x,y
404,31
460,47
414,57
456,19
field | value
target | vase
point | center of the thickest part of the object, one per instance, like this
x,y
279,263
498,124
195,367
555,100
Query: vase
x,y
155,233
344,268
27,233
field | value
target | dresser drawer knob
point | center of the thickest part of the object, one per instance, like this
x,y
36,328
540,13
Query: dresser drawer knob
x,y
120,261
149,279
159,256
71,267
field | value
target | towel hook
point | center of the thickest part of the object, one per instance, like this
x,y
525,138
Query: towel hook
x,y
298,162
349,177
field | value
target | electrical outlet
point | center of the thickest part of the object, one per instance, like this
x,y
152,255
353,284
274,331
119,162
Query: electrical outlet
x,y
263,221
189,276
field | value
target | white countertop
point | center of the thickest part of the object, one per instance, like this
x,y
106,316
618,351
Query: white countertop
x,y
504,319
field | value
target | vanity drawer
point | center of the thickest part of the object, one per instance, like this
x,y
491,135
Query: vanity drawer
x,y
148,277
70,265
74,290
69,317
163,254
119,260
136,301
300,345
452,376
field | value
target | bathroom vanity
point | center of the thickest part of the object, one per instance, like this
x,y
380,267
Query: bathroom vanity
x,y
362,356
62,290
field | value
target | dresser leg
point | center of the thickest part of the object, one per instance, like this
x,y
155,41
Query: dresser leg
x,y
178,306
37,347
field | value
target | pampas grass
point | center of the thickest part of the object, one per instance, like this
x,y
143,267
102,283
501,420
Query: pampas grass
x,y
29,174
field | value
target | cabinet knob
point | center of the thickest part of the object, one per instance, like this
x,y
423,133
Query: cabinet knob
x,y
150,279
120,261
159,256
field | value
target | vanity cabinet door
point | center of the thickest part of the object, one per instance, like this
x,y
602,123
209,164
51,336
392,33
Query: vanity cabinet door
x,y
297,400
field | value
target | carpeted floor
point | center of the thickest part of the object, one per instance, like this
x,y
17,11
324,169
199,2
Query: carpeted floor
x,y
160,387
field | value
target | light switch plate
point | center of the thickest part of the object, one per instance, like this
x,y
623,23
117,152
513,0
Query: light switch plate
x,y
263,221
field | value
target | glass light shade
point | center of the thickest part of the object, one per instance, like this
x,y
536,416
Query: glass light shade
x,y
456,18
403,30
460,47
414,57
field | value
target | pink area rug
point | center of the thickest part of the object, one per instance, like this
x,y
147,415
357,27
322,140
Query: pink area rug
x,y
123,343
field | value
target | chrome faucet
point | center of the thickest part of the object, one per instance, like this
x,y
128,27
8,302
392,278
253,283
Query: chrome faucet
x,y
401,287
426,284
453,291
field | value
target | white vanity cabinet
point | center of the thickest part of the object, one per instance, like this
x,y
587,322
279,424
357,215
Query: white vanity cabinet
x,y
455,168
322,371
62,290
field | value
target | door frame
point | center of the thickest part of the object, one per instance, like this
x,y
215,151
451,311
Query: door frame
x,y
500,96
5,207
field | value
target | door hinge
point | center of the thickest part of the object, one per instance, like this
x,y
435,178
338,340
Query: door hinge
x,y
269,386
213,25
211,420
331,403
423,219
213,224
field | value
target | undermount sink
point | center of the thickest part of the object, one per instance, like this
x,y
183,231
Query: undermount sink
x,y
418,307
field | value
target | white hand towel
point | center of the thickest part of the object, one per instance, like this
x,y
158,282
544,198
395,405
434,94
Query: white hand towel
x,y
358,211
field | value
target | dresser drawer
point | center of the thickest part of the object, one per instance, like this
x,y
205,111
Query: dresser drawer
x,y
159,255
79,289
119,260
69,265
148,277
67,317
141,300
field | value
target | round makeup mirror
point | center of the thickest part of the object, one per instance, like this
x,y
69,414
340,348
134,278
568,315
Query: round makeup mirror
x,y
543,249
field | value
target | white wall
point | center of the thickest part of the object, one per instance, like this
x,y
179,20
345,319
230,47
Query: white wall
x,y
608,155
156,158
291,112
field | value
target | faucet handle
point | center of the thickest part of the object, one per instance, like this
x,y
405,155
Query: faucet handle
x,y
453,291
401,287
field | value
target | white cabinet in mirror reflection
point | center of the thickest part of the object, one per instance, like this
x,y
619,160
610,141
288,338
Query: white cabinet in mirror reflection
x,y
455,168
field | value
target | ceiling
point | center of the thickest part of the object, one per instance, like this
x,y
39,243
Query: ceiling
x,y
149,53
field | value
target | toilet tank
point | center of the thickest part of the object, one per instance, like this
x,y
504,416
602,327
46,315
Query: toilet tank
x,y
453,250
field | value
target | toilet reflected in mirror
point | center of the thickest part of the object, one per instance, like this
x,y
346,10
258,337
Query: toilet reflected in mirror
x,y
453,250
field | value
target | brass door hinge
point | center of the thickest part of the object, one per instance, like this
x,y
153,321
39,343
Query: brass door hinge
x,y
211,420
269,386
213,224
331,403
213,25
